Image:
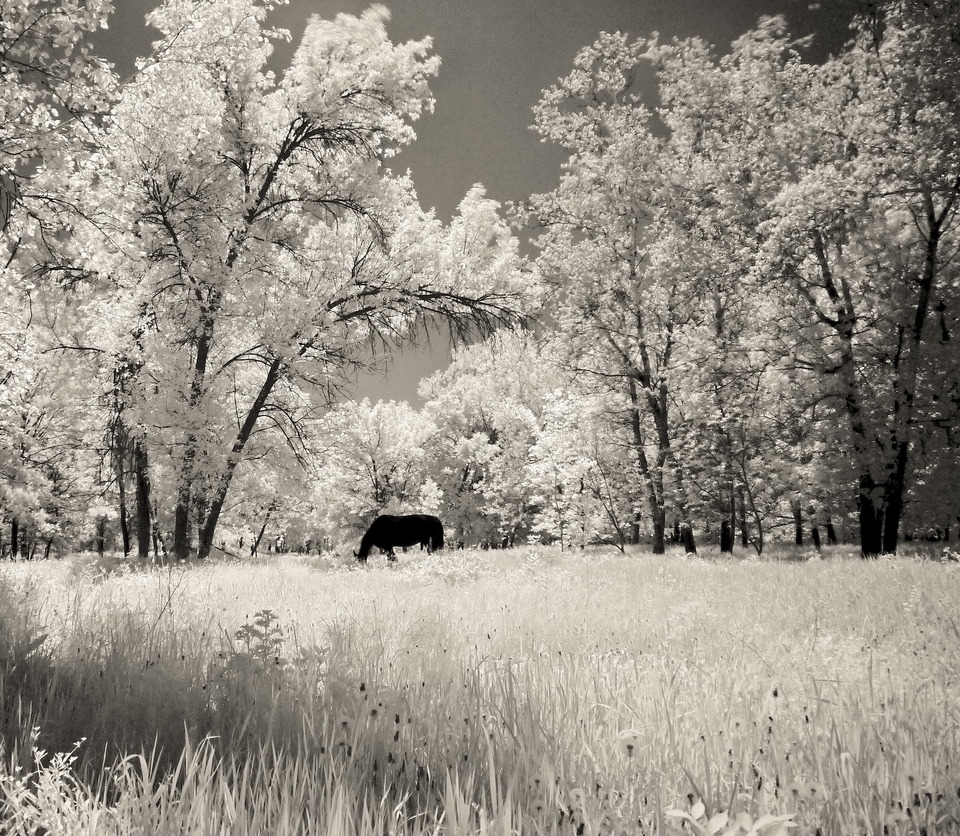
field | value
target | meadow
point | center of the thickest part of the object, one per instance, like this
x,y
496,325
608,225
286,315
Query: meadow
x,y
519,691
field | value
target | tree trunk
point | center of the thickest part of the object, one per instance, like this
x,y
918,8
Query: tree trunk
x,y
101,535
126,376
908,371
652,481
891,520
659,524
209,527
120,442
181,518
893,512
122,510
797,523
815,537
14,538
880,516
256,543
141,477
119,449
871,519
831,532
159,549
726,537
181,525
744,525
683,507
733,515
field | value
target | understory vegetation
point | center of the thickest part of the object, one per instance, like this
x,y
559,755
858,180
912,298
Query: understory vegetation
x,y
526,690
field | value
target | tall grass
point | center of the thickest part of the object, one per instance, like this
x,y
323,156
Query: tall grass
x,y
525,691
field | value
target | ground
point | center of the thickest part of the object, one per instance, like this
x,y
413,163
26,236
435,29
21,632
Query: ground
x,y
528,690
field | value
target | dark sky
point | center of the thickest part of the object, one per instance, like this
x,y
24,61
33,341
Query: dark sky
x,y
497,56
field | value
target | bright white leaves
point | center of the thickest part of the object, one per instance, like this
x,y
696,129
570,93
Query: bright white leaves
x,y
46,72
211,174
245,238
47,35
788,207
558,472
380,461
50,84
480,258
486,406
723,824
602,76
347,73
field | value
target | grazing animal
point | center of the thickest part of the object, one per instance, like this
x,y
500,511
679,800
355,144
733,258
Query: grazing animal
x,y
387,531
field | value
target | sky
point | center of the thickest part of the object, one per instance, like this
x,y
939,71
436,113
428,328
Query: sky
x,y
497,56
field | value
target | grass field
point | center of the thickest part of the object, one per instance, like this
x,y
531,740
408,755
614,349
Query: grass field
x,y
523,691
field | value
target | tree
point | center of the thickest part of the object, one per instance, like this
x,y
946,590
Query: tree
x,y
50,82
52,90
845,179
487,407
376,459
576,475
243,241
606,242
51,465
901,137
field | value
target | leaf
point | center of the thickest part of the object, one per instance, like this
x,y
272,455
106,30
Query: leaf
x,y
35,643
770,825
697,826
717,821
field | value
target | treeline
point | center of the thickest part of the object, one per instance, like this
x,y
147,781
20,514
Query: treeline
x,y
509,447
761,271
747,291
197,258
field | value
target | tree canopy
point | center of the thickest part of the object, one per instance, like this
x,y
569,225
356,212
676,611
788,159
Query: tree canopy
x,y
746,292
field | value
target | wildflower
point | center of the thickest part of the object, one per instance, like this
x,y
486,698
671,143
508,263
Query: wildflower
x,y
806,789
896,817
628,741
719,823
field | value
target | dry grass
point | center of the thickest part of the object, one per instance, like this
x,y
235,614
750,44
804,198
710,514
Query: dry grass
x,y
465,692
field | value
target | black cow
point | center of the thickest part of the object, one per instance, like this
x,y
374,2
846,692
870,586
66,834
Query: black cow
x,y
387,532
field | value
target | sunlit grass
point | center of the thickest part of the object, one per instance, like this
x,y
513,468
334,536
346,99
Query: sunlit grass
x,y
515,691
